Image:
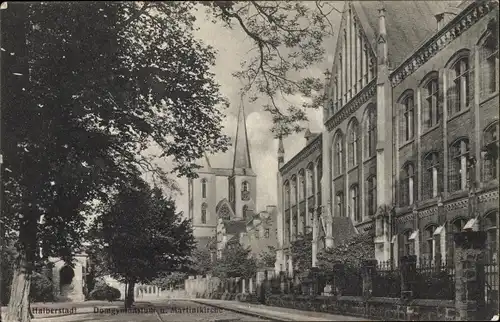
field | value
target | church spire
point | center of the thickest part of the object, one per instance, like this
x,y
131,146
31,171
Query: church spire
x,y
241,148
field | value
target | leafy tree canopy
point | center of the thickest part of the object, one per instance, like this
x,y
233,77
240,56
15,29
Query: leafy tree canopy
x,y
201,261
235,262
267,258
142,235
351,253
301,251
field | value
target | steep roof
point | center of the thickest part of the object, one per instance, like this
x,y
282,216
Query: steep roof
x,y
206,167
408,23
241,148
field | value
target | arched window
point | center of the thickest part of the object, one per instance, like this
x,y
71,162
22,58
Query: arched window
x,y
432,176
459,90
339,205
245,191
204,213
204,188
310,180
354,203
488,61
458,168
293,196
408,185
302,185
370,130
353,144
490,152
455,226
287,195
338,154
428,244
431,112
244,212
407,118
490,225
371,205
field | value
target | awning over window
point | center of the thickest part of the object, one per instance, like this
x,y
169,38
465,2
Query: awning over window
x,y
438,230
413,235
471,225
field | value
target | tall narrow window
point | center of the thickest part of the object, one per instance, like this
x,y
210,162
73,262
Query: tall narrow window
x,y
408,244
428,244
432,177
431,113
490,153
302,185
354,206
340,204
458,93
407,185
353,145
407,123
319,175
204,188
245,191
370,133
371,205
491,227
204,213
310,180
244,212
489,64
339,154
335,95
266,233
287,195
458,169
294,190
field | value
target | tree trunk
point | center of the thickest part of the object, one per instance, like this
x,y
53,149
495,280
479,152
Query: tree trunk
x,y
18,309
129,297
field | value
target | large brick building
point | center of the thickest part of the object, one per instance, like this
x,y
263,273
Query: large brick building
x,y
411,121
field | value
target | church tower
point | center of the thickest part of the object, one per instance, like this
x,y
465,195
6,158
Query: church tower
x,y
243,180
202,201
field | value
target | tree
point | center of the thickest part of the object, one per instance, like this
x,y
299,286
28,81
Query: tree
x,y
143,236
301,251
351,253
235,262
288,39
170,280
201,261
267,258
88,87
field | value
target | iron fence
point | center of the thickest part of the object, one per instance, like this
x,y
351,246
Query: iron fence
x,y
387,281
353,281
491,287
434,281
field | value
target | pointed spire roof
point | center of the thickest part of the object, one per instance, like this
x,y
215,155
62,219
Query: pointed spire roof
x,y
281,148
241,147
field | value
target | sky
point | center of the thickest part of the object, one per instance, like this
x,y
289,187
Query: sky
x,y
232,46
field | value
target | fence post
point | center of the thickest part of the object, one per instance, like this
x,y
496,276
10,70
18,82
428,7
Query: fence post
x,y
368,274
408,267
338,278
469,274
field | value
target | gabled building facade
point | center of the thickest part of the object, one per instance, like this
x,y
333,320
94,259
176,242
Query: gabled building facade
x,y
410,146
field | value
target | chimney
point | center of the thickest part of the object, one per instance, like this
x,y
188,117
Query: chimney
x,y
445,16
281,153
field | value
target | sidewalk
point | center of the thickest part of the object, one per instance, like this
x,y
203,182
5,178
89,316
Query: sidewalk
x,y
276,313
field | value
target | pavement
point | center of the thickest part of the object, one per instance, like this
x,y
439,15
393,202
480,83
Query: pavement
x,y
276,313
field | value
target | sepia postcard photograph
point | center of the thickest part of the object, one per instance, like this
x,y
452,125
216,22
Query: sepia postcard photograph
x,y
249,161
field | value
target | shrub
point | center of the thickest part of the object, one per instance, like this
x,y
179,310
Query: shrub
x,y
248,298
41,288
104,293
